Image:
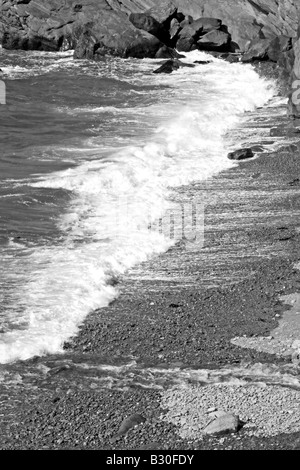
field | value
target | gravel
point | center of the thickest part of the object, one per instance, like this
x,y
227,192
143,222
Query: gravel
x,y
265,410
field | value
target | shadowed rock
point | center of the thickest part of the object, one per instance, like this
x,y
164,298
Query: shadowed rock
x,y
231,58
170,65
267,49
192,30
166,52
215,41
202,62
241,154
151,25
118,37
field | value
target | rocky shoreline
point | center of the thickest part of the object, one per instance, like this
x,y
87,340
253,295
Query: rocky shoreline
x,y
190,327
173,329
244,31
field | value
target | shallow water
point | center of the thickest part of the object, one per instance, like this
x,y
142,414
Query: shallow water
x,y
89,155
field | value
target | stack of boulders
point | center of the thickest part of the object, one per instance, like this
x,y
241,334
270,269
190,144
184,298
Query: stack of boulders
x,y
95,28
260,30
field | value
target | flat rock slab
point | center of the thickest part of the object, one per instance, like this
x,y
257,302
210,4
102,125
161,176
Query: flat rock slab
x,y
224,424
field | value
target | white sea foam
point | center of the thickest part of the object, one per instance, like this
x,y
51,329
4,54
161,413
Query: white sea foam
x,y
116,197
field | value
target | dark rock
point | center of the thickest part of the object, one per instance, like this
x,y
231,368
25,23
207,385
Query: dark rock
x,y
167,67
202,62
278,46
130,422
268,49
12,41
51,21
295,182
258,50
193,29
187,38
209,24
118,37
245,19
170,65
231,58
286,63
166,52
241,154
163,11
151,25
215,41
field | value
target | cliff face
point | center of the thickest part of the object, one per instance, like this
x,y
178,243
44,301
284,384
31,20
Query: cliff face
x,y
294,96
266,29
246,19
55,24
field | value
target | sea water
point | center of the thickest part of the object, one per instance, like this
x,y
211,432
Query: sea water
x,y
89,154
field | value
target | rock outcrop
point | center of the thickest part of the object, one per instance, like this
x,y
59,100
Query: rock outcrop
x,y
259,29
294,96
118,27
241,154
268,48
170,65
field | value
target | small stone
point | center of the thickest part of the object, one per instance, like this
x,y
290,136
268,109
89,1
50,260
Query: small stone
x,y
228,423
210,410
130,422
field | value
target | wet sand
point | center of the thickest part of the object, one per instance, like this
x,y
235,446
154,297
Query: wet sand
x,y
177,316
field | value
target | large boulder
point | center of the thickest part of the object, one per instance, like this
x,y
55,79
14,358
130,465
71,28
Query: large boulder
x,y
268,48
241,154
279,46
58,24
166,52
246,19
188,35
39,24
209,24
147,23
193,29
117,38
215,41
258,50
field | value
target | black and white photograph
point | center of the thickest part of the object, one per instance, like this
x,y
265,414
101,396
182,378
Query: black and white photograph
x,y
150,228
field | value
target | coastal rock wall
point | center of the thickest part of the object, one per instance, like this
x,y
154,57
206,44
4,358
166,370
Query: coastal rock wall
x,y
58,24
248,19
294,95
262,29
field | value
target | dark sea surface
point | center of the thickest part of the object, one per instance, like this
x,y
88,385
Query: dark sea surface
x,y
89,154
